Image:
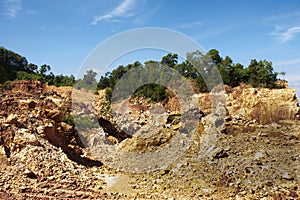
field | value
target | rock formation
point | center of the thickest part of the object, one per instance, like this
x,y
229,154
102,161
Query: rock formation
x,y
263,105
248,148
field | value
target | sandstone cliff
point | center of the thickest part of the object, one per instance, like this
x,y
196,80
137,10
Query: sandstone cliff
x,y
262,105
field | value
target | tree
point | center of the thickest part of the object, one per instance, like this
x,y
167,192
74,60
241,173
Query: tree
x,y
215,57
90,78
237,74
261,74
32,68
224,67
43,69
187,70
22,75
170,60
206,68
70,80
116,74
4,75
61,80
152,91
50,78
150,62
103,82
203,70
253,72
88,82
11,62
15,67
282,74
201,84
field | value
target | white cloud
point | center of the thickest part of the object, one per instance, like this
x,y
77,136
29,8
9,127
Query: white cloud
x,y
294,82
287,34
295,78
288,62
285,16
13,7
191,24
122,10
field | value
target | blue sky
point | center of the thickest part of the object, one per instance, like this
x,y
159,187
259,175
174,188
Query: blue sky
x,y
62,33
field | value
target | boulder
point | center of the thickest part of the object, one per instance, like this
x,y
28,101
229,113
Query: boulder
x,y
147,138
52,135
27,103
29,173
55,115
11,119
66,127
24,137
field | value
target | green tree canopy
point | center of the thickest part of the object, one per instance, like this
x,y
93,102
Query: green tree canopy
x,y
15,67
170,60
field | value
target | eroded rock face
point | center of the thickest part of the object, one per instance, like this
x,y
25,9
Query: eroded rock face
x,y
27,85
32,112
263,105
250,161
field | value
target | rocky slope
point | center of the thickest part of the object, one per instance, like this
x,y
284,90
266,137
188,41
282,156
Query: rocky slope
x,y
255,154
263,105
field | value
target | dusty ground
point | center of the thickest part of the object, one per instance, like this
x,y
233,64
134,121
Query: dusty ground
x,y
247,161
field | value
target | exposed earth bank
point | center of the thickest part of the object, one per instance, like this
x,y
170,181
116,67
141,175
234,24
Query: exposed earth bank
x,y
254,154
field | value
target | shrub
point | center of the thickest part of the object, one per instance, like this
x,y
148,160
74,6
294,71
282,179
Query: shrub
x,y
152,91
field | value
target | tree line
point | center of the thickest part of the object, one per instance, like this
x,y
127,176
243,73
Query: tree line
x,y
16,67
211,66
258,73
